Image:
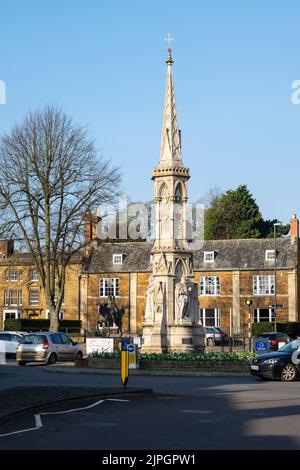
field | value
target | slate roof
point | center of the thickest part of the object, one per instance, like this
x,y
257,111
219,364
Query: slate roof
x,y
136,257
247,254
230,255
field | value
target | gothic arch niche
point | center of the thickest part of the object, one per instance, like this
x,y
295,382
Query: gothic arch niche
x,y
164,212
159,313
163,191
179,270
178,211
179,192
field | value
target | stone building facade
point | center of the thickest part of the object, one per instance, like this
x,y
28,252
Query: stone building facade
x,y
226,272
21,295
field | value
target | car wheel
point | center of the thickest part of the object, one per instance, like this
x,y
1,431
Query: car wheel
x,y
52,359
210,342
79,356
21,363
288,373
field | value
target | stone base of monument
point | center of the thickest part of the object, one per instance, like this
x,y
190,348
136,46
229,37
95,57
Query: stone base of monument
x,y
177,338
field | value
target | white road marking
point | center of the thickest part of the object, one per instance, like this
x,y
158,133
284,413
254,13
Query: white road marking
x,y
18,432
116,399
73,410
202,412
39,423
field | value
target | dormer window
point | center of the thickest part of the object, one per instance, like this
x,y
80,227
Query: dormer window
x,y
209,256
118,258
270,255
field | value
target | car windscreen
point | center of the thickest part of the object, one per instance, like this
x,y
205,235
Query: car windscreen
x,y
33,339
291,347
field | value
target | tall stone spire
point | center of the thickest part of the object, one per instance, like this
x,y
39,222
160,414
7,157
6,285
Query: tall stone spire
x,y
170,149
171,320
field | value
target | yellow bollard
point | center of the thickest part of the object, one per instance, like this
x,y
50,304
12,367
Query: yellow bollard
x,y
124,362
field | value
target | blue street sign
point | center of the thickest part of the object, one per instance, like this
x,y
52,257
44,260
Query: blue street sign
x,y
131,348
125,343
261,345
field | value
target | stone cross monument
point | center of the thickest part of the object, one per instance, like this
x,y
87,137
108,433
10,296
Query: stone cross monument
x,y
171,320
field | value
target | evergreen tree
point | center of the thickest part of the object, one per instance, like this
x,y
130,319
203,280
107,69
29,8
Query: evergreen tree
x,y
236,215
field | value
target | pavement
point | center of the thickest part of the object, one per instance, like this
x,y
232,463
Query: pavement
x,y
181,413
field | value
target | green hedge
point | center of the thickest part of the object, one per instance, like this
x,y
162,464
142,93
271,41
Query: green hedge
x,y
290,328
70,324
182,357
43,325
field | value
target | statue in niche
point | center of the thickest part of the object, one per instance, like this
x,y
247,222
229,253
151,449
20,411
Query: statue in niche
x,y
182,299
150,302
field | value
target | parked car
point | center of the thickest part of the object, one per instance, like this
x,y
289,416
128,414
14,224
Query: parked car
x,y
280,364
276,340
9,341
47,347
215,335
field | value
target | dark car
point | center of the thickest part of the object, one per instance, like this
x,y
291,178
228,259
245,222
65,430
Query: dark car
x,y
276,340
282,364
215,335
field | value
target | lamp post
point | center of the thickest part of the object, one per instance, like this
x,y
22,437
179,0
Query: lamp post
x,y
249,302
277,224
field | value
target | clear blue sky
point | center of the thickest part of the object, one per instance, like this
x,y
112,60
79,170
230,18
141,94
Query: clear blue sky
x,y
103,61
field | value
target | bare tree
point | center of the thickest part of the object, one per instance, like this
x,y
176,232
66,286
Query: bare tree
x,y
50,177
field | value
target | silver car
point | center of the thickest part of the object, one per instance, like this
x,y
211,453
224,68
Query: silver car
x,y
47,347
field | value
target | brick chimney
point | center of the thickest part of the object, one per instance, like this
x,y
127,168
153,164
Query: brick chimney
x,y
294,227
6,248
90,226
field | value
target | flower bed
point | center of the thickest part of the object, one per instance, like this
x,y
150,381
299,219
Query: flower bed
x,y
177,361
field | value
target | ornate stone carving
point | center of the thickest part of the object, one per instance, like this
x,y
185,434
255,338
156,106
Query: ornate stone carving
x,y
150,301
183,293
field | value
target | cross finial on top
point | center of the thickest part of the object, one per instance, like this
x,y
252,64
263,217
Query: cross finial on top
x,y
169,39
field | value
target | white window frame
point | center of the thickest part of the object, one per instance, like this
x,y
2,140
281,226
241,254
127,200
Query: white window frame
x,y
270,255
10,303
117,258
20,297
34,276
15,277
262,285
206,285
8,311
209,256
257,310
61,314
217,316
109,286
6,297
31,303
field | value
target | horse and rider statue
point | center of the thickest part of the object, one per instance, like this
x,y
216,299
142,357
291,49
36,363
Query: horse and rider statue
x,y
110,315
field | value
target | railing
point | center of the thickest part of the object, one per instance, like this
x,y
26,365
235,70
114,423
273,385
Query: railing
x,y
232,344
